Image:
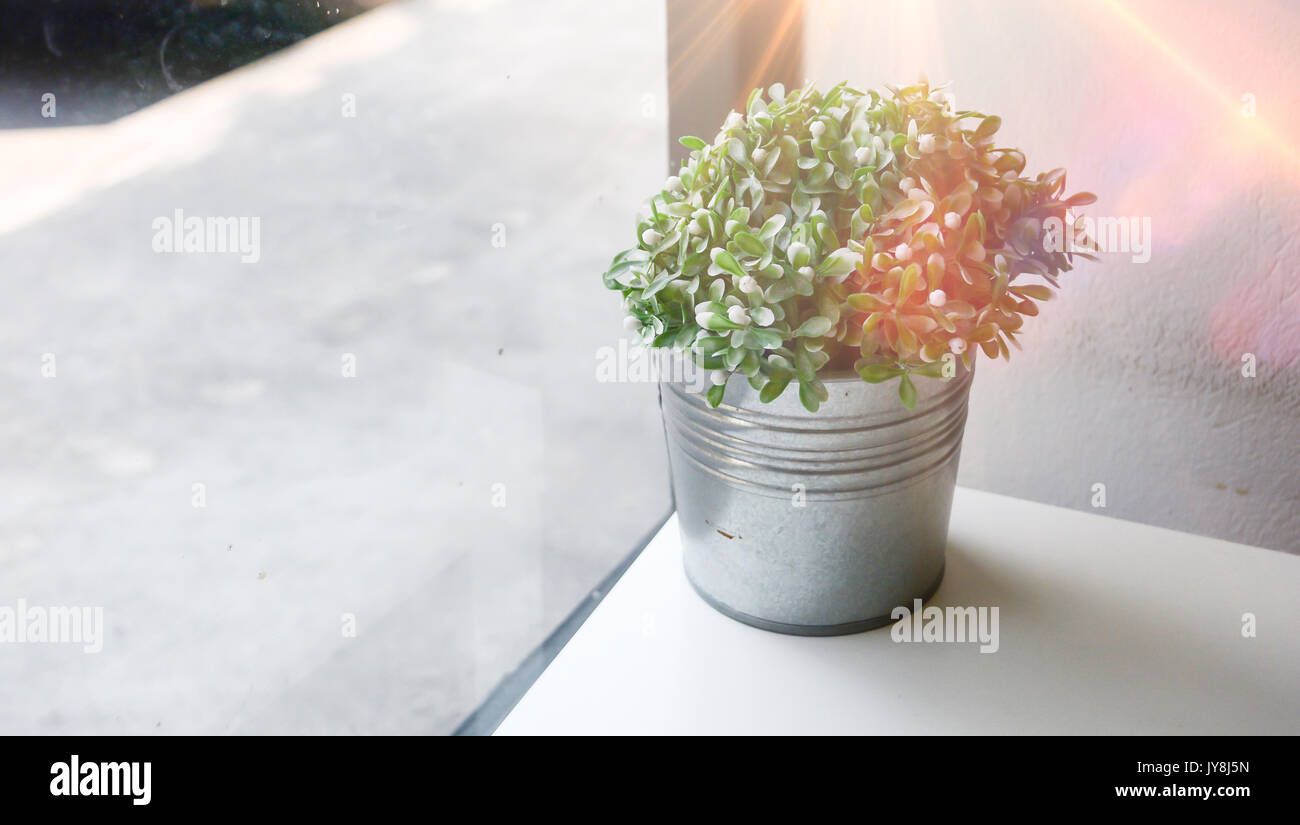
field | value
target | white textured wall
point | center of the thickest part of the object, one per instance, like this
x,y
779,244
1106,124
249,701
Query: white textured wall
x,y
1132,377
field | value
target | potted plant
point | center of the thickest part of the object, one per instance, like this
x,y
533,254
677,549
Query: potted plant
x,y
835,261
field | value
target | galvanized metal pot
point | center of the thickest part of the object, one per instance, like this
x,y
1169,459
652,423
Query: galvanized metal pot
x,y
820,523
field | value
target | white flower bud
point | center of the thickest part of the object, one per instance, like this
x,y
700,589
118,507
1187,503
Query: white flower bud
x,y
748,284
906,184
817,128
673,184
758,155
863,155
952,220
957,345
938,298
795,250
694,229
738,315
734,120
903,252
718,377
807,272
925,143
631,324
650,237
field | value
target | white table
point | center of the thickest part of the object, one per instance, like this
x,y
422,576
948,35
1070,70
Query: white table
x,y
1105,626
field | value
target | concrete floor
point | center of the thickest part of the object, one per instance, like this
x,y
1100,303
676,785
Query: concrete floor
x,y
374,496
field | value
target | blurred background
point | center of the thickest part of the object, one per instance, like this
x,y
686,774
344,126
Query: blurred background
x,y
349,487
105,58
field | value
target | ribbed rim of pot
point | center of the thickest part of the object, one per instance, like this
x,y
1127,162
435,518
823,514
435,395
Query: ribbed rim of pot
x,y
882,399
833,457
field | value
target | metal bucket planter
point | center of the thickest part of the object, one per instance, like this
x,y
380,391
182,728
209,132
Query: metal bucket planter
x,y
816,524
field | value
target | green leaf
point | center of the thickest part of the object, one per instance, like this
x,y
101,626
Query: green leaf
x,y
863,302
767,338
878,373
624,265
774,388
988,126
985,332
798,284
908,282
803,365
722,259
819,390
692,143
779,291
907,392
658,283
711,362
808,397
663,339
1037,291
715,395
685,336
750,244
815,327
862,221
773,225
838,264
736,151
800,203
715,321
710,345
798,253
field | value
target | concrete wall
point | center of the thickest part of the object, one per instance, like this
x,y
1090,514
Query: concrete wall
x,y
1133,377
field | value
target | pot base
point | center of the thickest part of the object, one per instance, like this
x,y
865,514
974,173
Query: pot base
x,y
844,629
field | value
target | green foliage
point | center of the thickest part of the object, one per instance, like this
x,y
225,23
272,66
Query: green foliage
x,y
881,226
